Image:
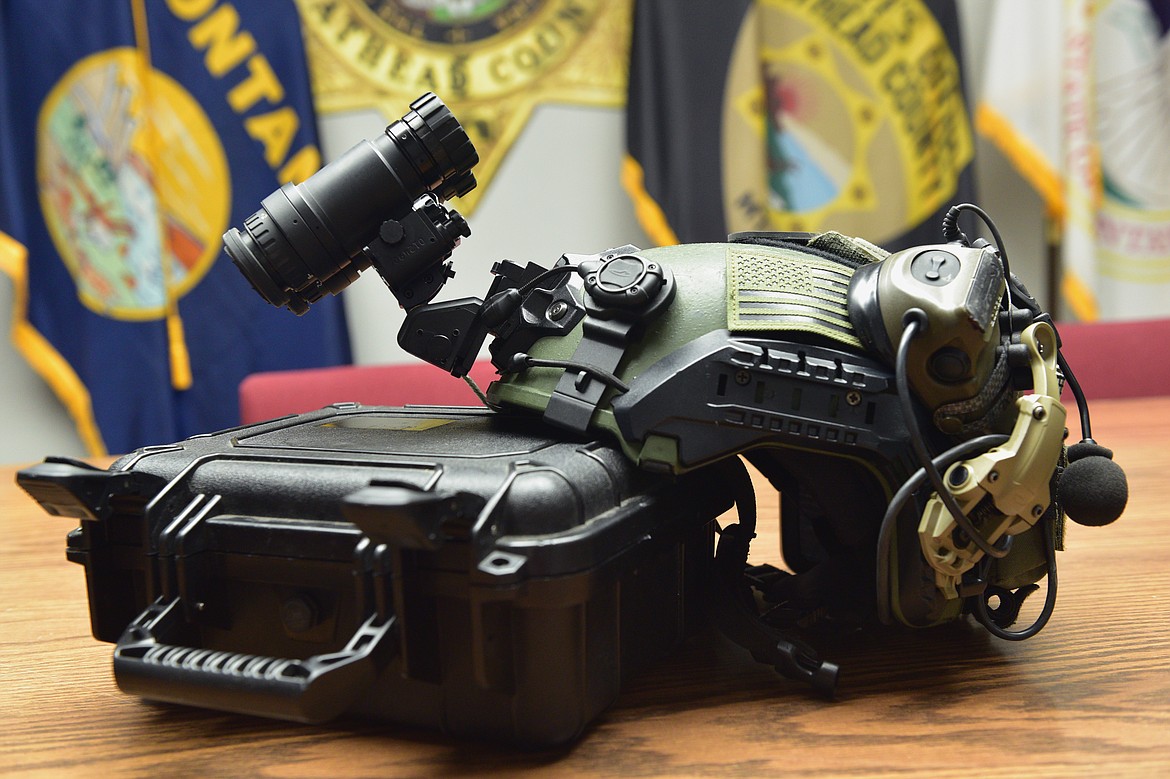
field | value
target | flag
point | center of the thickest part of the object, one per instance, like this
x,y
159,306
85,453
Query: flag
x,y
1077,95
1116,250
132,135
795,115
492,62
1019,105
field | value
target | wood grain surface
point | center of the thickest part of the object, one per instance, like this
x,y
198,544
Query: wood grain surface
x,y
1089,696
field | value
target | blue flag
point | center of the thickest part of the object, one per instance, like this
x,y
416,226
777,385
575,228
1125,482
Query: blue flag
x,y
132,135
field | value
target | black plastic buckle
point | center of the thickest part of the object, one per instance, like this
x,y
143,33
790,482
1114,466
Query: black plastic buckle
x,y
624,290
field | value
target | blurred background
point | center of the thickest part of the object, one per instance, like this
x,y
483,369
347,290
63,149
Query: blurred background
x,y
557,189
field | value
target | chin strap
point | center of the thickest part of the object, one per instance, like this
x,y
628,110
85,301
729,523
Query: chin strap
x,y
731,603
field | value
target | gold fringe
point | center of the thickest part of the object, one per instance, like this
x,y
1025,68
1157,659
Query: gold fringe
x,y
648,212
1080,298
42,356
180,359
1024,157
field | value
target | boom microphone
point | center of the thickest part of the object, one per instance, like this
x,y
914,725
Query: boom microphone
x,y
1093,489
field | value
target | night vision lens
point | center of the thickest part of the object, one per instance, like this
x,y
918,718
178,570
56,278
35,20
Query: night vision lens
x,y
307,239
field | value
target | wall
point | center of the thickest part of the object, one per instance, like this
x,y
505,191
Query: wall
x,y
557,191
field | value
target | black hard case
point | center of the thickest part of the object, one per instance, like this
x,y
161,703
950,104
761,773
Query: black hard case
x,y
443,567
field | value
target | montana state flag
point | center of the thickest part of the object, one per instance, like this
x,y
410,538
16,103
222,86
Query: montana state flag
x,y
797,116
133,133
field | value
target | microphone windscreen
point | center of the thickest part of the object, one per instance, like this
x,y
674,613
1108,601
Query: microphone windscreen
x,y
1093,490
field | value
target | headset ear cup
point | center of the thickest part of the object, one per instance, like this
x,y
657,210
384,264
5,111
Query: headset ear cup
x,y
1093,489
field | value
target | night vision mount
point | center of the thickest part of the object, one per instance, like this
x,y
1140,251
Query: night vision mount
x,y
381,205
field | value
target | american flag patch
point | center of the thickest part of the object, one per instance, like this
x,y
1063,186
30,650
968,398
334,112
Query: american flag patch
x,y
779,289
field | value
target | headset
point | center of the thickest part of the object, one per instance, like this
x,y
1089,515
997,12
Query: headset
x,y
952,310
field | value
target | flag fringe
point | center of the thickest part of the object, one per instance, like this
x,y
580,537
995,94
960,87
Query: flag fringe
x,y
41,355
1024,157
646,209
1080,298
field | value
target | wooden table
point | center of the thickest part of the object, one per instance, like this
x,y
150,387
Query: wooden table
x,y
1089,696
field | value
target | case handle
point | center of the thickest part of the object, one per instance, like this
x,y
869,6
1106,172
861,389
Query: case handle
x,y
312,690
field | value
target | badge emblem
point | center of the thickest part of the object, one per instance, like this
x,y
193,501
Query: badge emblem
x,y
845,116
491,61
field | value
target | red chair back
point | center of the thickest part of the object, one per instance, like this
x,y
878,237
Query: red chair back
x,y
1118,359
274,394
